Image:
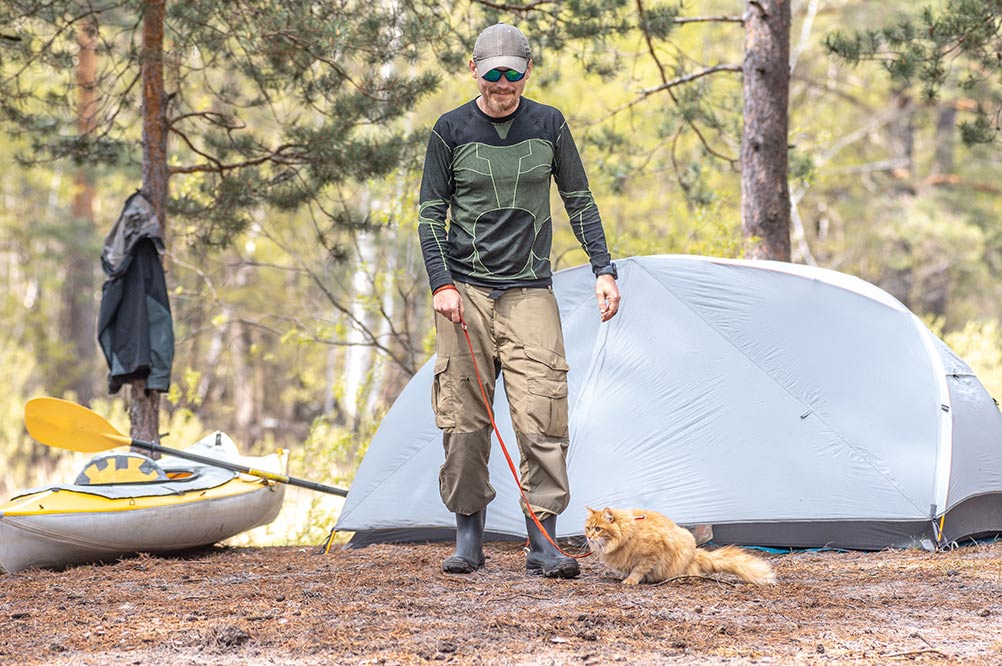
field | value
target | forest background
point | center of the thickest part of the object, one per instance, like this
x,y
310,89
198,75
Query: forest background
x,y
297,329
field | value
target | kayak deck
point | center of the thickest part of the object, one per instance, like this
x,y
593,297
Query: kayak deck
x,y
187,506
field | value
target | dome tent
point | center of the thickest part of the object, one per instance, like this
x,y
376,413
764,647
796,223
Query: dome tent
x,y
786,405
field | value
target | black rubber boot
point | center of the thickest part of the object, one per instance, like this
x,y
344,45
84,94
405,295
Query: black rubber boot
x,y
469,555
544,559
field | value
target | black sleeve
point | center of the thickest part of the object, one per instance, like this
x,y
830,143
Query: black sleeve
x,y
572,184
433,208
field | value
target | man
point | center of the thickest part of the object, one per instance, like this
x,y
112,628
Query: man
x,y
489,163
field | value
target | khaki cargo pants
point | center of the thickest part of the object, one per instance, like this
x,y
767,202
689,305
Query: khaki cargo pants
x,y
517,333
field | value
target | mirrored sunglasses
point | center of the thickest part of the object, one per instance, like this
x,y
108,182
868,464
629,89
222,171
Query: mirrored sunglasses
x,y
510,75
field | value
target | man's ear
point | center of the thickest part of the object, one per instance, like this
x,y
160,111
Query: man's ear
x,y
473,69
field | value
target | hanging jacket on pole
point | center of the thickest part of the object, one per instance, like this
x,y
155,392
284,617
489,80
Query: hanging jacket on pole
x,y
135,328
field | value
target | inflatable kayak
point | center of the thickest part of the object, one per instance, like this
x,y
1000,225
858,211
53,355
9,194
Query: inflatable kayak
x,y
126,503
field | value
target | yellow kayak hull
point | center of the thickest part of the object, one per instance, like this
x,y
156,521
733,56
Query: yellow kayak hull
x,y
58,527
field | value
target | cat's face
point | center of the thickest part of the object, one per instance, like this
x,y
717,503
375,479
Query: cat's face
x,y
601,529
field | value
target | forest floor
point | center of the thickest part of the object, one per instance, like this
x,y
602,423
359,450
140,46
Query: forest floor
x,y
390,604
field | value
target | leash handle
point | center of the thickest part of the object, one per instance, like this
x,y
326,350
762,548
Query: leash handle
x,y
504,449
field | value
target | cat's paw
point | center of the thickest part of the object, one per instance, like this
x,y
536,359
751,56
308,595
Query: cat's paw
x,y
631,581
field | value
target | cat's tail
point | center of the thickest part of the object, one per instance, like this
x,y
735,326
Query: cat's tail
x,y
741,563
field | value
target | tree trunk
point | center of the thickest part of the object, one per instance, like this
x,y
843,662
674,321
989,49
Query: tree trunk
x,y
765,195
901,142
899,281
79,318
260,386
360,357
238,344
144,410
946,132
144,415
243,385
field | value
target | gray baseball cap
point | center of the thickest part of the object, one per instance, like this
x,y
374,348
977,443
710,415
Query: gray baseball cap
x,y
501,45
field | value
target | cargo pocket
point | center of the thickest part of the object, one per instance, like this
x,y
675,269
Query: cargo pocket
x,y
547,387
443,395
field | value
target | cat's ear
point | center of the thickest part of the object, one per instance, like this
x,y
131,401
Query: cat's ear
x,y
607,514
591,511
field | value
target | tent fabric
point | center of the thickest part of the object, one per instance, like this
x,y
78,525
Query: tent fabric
x,y
786,405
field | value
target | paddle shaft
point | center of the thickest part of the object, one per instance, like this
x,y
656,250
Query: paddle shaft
x,y
67,425
271,476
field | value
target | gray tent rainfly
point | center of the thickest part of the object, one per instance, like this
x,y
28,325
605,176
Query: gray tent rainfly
x,y
786,405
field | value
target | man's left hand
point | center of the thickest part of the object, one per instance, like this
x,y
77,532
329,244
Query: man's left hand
x,y
608,296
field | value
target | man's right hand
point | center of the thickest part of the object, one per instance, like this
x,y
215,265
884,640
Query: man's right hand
x,y
448,303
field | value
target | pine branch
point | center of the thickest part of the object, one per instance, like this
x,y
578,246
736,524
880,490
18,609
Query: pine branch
x,y
371,339
954,180
709,19
667,85
514,8
277,156
217,119
688,78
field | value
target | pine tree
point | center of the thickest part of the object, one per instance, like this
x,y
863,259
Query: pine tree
x,y
765,73
225,108
958,44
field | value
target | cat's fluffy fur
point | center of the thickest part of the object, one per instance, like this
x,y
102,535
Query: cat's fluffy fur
x,y
647,547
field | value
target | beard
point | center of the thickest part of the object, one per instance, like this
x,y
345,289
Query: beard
x,y
501,105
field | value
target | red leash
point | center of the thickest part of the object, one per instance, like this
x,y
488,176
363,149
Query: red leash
x,y
504,449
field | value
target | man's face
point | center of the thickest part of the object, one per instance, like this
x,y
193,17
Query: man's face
x,y
500,98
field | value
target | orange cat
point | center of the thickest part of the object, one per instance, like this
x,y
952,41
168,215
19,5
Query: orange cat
x,y
646,547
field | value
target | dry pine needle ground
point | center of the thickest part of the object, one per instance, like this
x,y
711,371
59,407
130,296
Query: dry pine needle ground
x,y
391,605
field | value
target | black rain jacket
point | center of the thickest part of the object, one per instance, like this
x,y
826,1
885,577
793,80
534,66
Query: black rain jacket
x,y
135,328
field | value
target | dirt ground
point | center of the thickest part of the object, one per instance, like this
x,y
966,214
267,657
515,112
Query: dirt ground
x,y
392,605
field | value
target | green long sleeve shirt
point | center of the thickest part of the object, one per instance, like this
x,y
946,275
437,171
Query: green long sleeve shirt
x,y
484,215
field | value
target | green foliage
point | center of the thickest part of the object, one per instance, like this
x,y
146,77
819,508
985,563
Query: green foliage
x,y
982,129
271,103
329,455
659,20
888,197
801,166
958,43
21,450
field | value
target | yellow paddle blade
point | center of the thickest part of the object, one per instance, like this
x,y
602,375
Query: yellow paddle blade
x,y
67,425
